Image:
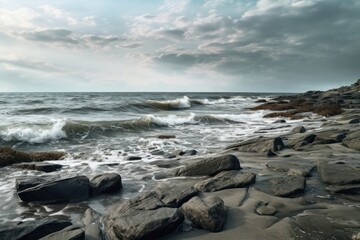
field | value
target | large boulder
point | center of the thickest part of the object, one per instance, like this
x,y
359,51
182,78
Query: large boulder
x,y
43,167
338,174
69,233
25,182
148,224
225,180
73,189
175,195
31,229
210,166
259,145
282,186
106,183
207,213
352,140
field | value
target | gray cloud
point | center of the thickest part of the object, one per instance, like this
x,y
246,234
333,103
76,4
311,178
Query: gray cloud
x,y
31,65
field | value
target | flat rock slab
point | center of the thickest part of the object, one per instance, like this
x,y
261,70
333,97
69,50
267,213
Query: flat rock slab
x,y
353,189
283,186
259,145
352,140
299,167
68,233
210,166
106,183
150,224
338,174
225,180
43,167
208,213
32,229
175,196
74,189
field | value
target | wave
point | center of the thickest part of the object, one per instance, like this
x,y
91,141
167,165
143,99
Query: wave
x,y
180,103
34,133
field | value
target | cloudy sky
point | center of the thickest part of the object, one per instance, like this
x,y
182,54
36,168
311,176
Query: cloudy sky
x,y
173,45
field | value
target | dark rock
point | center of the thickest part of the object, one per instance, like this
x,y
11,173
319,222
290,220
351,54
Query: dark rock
x,y
149,224
299,167
208,213
338,174
283,186
175,195
271,154
225,180
330,136
165,163
298,129
133,158
106,183
259,145
69,233
44,167
352,140
280,121
190,152
164,136
210,166
353,189
31,229
354,121
73,189
260,101
22,183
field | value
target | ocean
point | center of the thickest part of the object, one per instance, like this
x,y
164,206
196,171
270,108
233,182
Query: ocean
x,y
99,131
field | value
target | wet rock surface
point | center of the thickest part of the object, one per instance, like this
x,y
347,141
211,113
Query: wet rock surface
x,y
282,186
44,167
106,183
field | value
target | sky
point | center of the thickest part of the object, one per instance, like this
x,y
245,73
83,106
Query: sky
x,y
173,45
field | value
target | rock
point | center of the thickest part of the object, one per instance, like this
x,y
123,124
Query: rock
x,y
89,217
208,213
225,180
69,233
283,186
271,154
149,224
190,152
165,163
259,145
266,210
44,167
133,158
280,121
338,174
165,136
73,189
352,140
175,195
354,121
106,183
299,167
31,229
353,189
92,232
298,129
22,183
210,166
330,136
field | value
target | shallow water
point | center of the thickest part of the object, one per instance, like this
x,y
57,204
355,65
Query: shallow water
x,y
99,131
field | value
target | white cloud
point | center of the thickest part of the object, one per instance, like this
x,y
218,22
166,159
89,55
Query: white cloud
x,y
19,18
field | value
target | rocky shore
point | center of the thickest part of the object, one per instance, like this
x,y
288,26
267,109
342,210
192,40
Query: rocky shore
x,y
304,184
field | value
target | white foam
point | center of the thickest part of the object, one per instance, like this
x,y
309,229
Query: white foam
x,y
179,103
35,134
256,116
171,120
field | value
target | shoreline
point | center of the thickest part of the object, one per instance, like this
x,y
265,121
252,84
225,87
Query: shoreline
x,y
276,205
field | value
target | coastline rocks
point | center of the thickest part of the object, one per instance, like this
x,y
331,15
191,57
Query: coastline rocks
x,y
210,166
149,224
22,183
133,158
208,213
283,186
43,167
264,209
338,174
32,229
298,129
225,180
299,167
352,140
69,233
73,189
106,183
259,145
175,196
